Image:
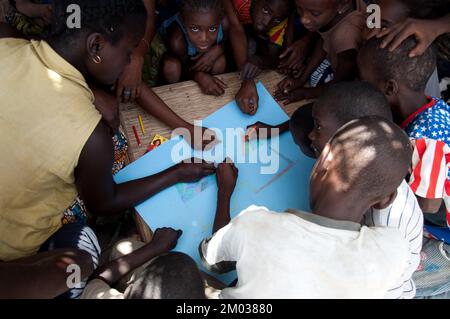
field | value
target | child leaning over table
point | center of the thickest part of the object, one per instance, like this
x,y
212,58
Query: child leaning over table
x,y
300,249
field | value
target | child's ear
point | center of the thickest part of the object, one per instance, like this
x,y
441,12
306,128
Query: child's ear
x,y
391,88
95,42
385,202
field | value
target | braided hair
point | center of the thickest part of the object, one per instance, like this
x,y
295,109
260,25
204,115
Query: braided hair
x,y
202,6
107,17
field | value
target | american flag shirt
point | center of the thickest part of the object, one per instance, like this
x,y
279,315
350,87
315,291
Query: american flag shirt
x,y
429,130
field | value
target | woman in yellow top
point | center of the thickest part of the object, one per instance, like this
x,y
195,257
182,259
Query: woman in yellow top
x,y
55,145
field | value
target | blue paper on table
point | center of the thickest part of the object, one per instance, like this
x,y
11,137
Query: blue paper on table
x,y
191,207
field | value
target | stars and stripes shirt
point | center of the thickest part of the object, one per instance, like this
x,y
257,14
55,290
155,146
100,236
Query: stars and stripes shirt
x,y
404,214
429,130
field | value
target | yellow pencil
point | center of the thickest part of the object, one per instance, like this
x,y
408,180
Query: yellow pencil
x,y
141,124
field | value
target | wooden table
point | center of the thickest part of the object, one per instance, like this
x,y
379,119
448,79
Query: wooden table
x,y
189,103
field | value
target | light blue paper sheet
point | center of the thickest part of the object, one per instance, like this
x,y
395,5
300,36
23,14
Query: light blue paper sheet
x,y
191,207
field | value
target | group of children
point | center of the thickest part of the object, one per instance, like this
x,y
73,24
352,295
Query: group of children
x,y
379,130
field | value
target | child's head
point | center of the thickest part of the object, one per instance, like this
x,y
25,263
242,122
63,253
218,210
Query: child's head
x,y
108,33
202,19
171,276
341,103
395,73
361,166
267,14
318,14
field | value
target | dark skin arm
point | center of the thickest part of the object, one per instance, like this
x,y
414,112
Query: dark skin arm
x,y
255,130
227,174
238,39
156,107
43,275
131,77
103,196
429,206
163,241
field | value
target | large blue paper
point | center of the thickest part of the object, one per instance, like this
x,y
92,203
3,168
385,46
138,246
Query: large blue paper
x,y
191,207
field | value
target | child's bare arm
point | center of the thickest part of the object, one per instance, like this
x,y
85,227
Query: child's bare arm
x,y
227,174
238,39
131,77
429,206
103,197
163,241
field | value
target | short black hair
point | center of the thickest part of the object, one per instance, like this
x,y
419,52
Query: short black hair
x,y
107,17
372,155
397,65
201,6
347,101
171,276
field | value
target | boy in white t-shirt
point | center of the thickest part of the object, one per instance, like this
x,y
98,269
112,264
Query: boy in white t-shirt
x,y
326,254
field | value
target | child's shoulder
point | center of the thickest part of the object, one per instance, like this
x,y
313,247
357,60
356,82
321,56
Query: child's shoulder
x,y
433,122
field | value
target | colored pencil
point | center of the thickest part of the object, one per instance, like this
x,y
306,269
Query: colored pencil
x,y
141,123
138,140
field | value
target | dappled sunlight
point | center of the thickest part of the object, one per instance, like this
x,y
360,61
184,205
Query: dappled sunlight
x,y
56,79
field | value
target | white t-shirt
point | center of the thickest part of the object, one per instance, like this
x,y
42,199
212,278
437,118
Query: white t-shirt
x,y
405,215
286,255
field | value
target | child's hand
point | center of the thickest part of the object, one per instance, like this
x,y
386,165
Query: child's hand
x,y
288,84
293,96
247,98
208,140
253,131
165,239
210,84
293,58
227,174
129,84
108,107
424,31
205,61
192,170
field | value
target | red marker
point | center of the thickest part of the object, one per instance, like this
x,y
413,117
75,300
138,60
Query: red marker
x,y
137,136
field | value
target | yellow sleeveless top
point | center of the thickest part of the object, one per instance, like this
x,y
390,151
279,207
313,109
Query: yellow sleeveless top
x,y
46,117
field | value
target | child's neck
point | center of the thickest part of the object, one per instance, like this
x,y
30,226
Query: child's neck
x,y
342,209
410,103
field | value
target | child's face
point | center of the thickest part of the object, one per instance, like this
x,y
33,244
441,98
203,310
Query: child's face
x,y
269,14
325,125
317,14
392,11
202,29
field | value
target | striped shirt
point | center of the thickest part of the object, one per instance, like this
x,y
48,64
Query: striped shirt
x,y
429,130
404,214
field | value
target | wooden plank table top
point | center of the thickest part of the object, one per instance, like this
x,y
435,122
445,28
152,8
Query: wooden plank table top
x,y
187,100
